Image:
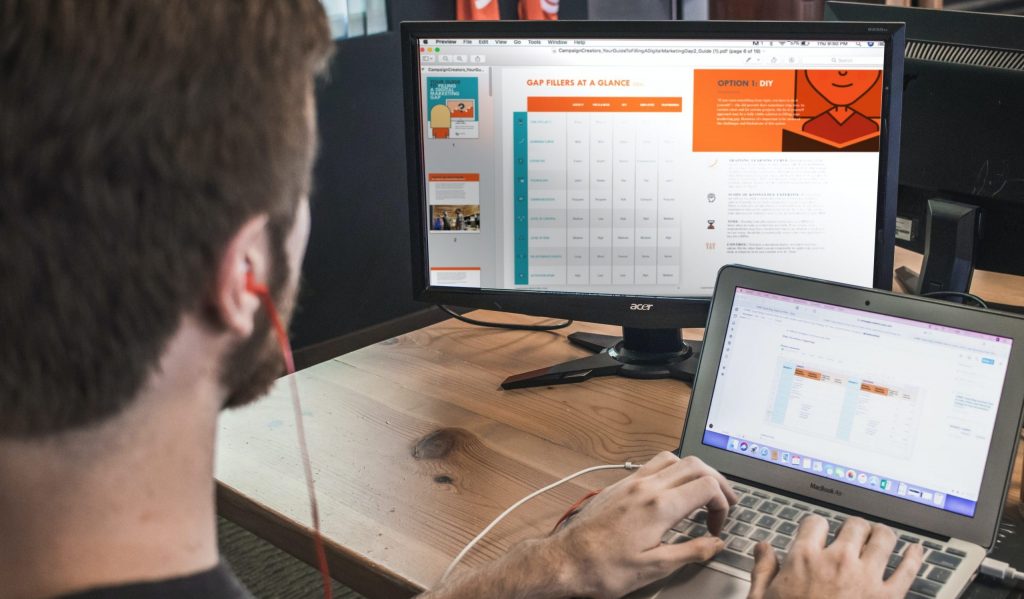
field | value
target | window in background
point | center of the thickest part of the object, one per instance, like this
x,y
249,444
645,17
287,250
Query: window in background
x,y
354,18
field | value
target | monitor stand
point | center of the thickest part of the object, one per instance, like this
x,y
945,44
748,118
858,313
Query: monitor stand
x,y
638,354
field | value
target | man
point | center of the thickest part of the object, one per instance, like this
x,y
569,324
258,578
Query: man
x,y
154,158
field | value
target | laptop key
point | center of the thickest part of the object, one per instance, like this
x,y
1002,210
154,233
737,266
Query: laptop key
x,y
802,507
781,542
910,539
956,552
768,507
788,513
700,517
781,500
943,559
926,587
736,560
739,545
749,501
698,530
740,488
682,526
939,575
932,545
900,544
833,526
740,529
746,516
766,521
894,560
823,513
786,528
760,535
761,495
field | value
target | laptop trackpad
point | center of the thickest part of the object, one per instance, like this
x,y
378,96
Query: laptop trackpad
x,y
698,581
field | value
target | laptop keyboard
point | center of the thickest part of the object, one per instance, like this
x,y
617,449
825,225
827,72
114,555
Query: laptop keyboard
x,y
762,516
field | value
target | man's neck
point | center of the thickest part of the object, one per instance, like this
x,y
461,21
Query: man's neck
x,y
129,500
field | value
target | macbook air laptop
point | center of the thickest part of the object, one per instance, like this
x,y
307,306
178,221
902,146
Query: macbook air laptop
x,y
817,397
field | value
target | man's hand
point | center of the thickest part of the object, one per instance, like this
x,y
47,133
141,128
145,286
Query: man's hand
x,y
614,545
851,567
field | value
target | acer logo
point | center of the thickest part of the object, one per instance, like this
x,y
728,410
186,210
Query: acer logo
x,y
640,307
824,489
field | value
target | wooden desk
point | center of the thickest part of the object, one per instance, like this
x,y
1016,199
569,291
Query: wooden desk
x,y
415,449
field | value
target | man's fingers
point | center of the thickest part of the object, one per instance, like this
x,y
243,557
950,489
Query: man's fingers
x,y
879,546
671,557
766,566
703,492
657,463
812,534
691,468
852,535
904,574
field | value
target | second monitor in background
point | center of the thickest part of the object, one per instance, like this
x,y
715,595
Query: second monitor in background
x,y
961,180
574,170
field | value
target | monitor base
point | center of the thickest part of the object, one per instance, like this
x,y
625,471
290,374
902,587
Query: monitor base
x,y
908,279
638,354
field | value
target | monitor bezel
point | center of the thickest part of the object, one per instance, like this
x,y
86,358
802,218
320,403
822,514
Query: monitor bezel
x,y
981,528
660,311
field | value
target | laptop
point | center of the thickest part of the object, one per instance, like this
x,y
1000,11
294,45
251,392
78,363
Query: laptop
x,y
818,397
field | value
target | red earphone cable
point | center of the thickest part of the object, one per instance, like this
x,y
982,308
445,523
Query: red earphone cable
x,y
281,333
573,509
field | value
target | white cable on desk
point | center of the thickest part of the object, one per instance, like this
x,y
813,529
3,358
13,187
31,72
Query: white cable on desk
x,y
1002,572
483,533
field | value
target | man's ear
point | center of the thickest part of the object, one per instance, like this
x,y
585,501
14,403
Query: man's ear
x,y
247,251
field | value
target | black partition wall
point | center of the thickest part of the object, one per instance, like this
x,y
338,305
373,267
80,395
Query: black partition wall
x,y
357,271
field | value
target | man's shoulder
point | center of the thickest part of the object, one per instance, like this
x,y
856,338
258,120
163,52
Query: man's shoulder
x,y
217,582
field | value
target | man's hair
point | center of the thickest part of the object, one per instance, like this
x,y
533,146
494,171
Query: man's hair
x,y
136,137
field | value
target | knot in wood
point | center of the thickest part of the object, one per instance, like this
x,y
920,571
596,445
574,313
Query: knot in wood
x,y
440,443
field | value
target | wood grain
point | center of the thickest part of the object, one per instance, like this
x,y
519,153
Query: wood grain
x,y
415,448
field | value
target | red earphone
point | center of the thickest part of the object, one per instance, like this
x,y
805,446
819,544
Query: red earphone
x,y
261,291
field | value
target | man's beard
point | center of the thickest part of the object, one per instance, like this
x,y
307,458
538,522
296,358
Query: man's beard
x,y
250,369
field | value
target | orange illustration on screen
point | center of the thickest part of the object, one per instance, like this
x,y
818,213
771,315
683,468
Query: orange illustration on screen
x,y
440,121
461,109
786,110
841,122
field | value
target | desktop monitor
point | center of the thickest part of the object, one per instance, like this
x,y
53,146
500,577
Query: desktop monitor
x,y
605,171
961,178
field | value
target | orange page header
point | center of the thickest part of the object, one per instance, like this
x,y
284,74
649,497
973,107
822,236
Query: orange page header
x,y
453,177
594,104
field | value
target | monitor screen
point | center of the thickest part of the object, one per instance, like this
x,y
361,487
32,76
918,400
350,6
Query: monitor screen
x,y
641,166
896,406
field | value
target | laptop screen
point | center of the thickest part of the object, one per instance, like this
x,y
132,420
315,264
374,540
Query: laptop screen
x,y
900,407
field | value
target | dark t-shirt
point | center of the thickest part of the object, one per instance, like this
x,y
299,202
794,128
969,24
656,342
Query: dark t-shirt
x,y
217,582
